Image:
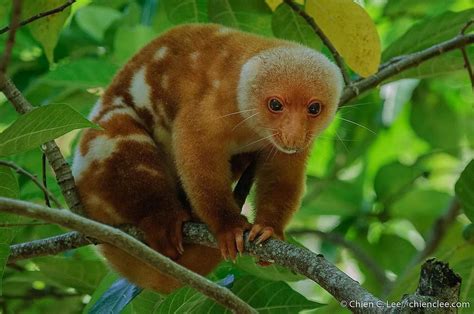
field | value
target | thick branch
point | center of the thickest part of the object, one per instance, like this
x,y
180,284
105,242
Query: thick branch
x,y
130,245
438,285
41,15
301,260
357,251
393,67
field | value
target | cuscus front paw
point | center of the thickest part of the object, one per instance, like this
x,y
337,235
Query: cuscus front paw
x,y
262,233
164,233
230,238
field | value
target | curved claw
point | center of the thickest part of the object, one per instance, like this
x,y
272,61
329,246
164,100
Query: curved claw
x,y
232,241
263,233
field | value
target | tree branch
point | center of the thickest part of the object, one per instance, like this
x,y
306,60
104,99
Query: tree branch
x,y
399,64
33,178
437,233
357,251
467,64
115,237
15,21
298,259
40,15
312,23
56,160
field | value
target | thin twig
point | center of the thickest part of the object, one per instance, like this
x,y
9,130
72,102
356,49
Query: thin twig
x,y
312,23
15,20
130,245
40,15
33,178
467,63
356,250
53,153
409,61
45,183
438,232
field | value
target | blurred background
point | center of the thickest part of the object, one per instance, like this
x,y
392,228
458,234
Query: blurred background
x,y
378,178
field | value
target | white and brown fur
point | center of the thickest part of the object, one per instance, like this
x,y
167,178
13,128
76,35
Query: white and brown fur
x,y
188,112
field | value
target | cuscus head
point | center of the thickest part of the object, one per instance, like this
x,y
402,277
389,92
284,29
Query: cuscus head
x,y
293,93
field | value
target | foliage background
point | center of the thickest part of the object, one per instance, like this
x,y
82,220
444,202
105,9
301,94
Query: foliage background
x,y
379,182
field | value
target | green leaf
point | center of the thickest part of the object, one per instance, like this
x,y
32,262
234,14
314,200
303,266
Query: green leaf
x,y
330,198
394,179
186,11
145,302
420,8
391,252
83,73
8,188
289,25
271,272
46,30
434,120
5,12
129,39
248,15
465,190
427,33
421,208
39,126
357,128
95,20
265,296
82,275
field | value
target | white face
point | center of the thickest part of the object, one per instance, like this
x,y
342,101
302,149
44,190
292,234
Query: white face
x,y
293,94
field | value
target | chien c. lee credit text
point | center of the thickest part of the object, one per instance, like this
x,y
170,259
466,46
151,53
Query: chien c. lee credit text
x,y
405,304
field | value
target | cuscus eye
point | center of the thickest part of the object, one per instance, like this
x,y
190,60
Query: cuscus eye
x,y
314,108
275,105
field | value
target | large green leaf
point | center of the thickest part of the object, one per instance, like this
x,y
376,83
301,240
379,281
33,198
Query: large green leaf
x,y
271,272
397,8
265,296
129,39
82,275
330,198
46,30
39,126
248,15
427,33
287,24
421,207
83,73
8,188
391,252
95,20
5,11
186,11
394,179
357,128
465,190
434,120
